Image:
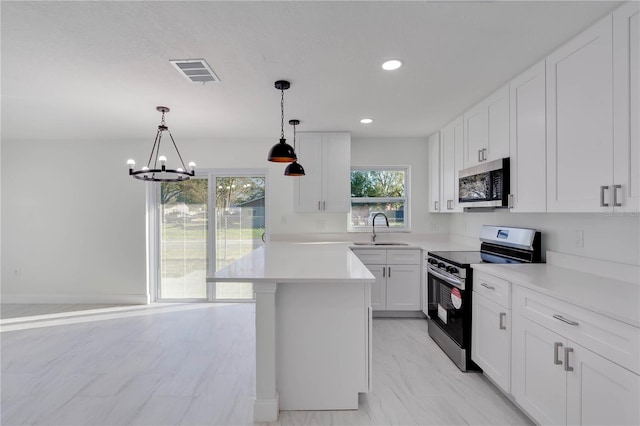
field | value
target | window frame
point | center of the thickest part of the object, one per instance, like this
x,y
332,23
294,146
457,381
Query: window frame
x,y
405,199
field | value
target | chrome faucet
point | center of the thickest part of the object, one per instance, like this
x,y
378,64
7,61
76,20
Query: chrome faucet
x,y
373,229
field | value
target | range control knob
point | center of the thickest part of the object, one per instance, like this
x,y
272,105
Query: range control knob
x,y
452,270
433,261
441,265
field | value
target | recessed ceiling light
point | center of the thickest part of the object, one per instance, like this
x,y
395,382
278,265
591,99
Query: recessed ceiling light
x,y
391,65
366,120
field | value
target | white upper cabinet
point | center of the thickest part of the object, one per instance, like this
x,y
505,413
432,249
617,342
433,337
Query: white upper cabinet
x,y
528,141
580,122
326,158
434,173
626,134
486,129
451,162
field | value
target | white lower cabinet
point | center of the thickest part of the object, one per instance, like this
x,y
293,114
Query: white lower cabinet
x,y
491,328
398,278
558,378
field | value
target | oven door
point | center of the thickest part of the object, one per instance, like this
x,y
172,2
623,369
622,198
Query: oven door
x,y
449,308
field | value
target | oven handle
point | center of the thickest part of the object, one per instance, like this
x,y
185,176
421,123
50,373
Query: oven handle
x,y
452,281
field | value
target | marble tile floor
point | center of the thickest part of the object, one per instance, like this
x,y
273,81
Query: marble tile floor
x,y
193,364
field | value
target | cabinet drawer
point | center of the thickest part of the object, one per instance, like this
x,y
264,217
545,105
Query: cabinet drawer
x,y
403,257
493,288
614,340
372,256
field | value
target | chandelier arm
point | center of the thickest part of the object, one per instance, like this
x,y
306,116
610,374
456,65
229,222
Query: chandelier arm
x,y
177,150
155,162
155,142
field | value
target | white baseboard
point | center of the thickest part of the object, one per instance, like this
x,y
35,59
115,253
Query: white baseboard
x,y
76,298
266,410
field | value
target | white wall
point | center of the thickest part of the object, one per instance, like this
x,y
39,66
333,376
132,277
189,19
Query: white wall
x,y
411,152
615,238
73,221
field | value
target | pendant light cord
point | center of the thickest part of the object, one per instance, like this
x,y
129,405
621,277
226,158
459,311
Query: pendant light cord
x,y
294,137
282,115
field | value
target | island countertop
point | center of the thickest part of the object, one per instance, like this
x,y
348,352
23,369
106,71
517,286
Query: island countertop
x,y
299,262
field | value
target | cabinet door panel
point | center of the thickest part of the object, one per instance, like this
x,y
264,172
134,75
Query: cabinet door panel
x,y
435,203
490,344
626,82
403,287
600,392
580,121
308,189
476,131
498,130
452,143
539,385
336,165
379,287
528,141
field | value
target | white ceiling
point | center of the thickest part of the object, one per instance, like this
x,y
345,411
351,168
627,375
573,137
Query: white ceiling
x,y
96,70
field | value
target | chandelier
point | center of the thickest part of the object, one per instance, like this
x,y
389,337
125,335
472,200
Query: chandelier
x,y
159,172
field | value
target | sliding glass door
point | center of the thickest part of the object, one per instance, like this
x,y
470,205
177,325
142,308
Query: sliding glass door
x,y
187,248
183,235
239,226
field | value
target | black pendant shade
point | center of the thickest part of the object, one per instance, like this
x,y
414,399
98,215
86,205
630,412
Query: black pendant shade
x,y
282,152
294,169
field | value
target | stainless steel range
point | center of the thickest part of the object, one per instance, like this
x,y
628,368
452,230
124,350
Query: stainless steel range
x,y
450,284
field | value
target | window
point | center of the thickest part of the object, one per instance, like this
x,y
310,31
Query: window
x,y
379,190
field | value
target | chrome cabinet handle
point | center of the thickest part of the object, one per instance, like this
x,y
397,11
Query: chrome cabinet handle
x,y
615,195
602,189
389,274
479,156
435,205
503,315
490,287
563,319
324,205
383,272
484,154
566,359
319,206
510,201
556,359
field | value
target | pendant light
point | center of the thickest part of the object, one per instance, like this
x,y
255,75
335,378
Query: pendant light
x,y
162,173
282,152
294,168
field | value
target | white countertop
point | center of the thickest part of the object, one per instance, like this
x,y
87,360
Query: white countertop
x,y
284,262
421,245
619,300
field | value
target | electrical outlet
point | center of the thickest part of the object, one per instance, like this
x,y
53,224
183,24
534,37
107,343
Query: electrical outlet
x,y
434,226
580,238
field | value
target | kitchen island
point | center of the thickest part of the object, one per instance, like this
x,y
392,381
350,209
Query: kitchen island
x,y
313,325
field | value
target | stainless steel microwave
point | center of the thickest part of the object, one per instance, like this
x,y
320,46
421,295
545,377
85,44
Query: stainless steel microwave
x,y
485,185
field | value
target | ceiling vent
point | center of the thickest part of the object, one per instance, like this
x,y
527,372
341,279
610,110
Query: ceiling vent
x,y
195,70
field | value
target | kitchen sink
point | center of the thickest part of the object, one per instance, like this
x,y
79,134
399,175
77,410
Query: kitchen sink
x,y
381,243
